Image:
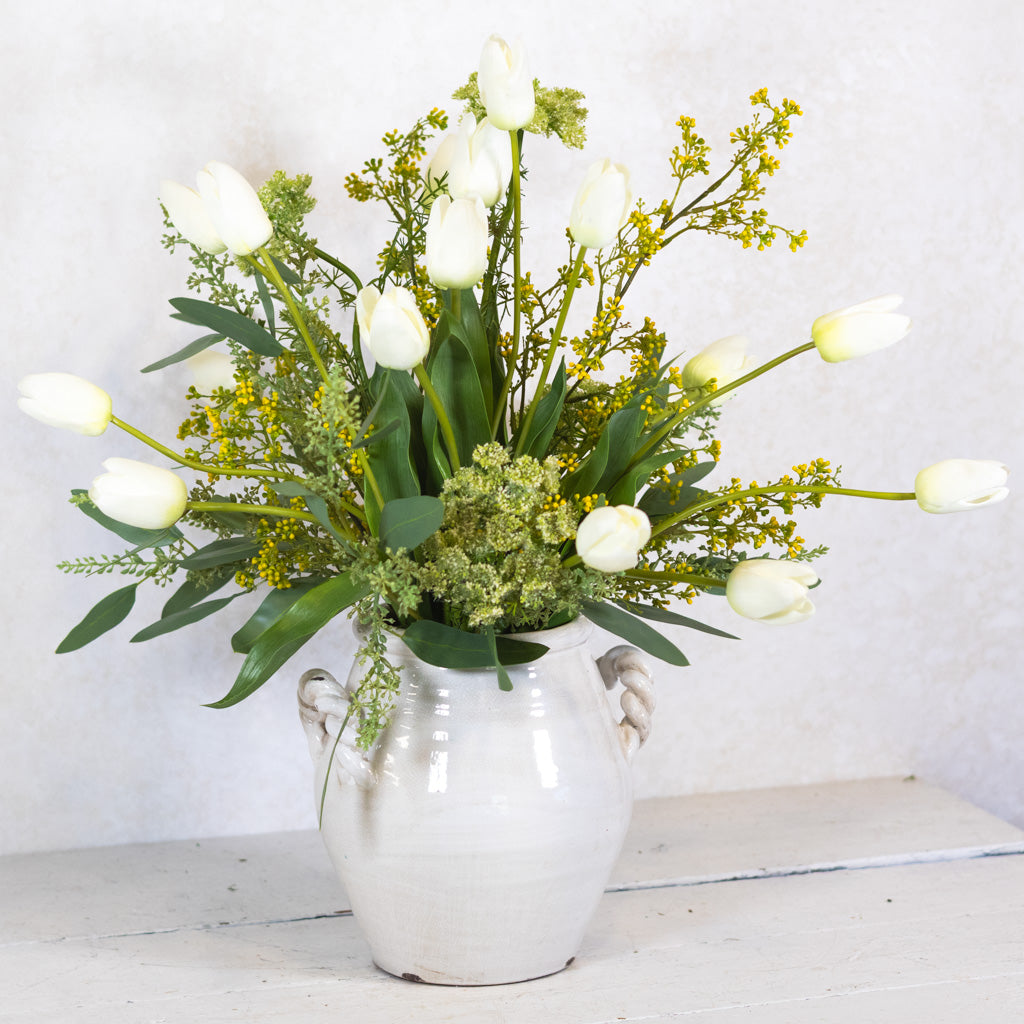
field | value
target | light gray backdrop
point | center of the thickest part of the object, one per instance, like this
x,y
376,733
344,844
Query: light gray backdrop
x,y
906,172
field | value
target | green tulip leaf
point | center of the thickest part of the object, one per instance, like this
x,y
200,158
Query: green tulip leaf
x,y
648,611
101,618
169,623
273,606
300,621
634,631
136,535
221,552
448,647
545,420
193,591
227,322
453,373
408,522
193,348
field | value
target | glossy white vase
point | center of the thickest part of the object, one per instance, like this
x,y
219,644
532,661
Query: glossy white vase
x,y
475,838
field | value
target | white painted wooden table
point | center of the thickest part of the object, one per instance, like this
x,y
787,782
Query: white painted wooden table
x,y
883,900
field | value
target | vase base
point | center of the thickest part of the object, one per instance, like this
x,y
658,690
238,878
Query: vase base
x,y
436,978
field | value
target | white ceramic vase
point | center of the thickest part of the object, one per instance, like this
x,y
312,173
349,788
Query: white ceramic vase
x,y
476,837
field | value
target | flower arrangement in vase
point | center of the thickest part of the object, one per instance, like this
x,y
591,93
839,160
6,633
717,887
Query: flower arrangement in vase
x,y
412,439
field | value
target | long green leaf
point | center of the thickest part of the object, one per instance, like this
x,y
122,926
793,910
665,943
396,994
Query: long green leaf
x,y
266,302
438,644
504,679
470,331
193,591
169,623
624,492
454,376
103,616
290,631
273,606
193,348
648,611
133,534
408,522
542,429
221,552
634,630
228,323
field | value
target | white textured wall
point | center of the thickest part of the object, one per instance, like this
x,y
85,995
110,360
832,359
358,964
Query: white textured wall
x,y
907,172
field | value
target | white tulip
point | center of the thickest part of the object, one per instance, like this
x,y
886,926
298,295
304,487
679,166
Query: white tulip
x,y
189,215
602,205
139,494
212,370
770,590
474,161
392,327
724,360
610,537
506,85
64,400
859,330
957,485
234,208
456,249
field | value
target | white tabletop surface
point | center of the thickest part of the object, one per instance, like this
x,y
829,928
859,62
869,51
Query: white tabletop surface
x,y
881,900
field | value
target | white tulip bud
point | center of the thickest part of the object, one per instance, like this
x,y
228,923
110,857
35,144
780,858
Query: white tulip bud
x,y
189,215
64,400
139,494
859,330
602,205
392,327
234,208
506,85
957,485
610,537
474,161
456,247
724,360
770,590
212,370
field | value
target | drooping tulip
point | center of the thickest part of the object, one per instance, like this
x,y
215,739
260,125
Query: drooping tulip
x,y
234,208
861,329
610,538
212,370
506,85
392,327
958,485
456,244
602,205
724,360
189,215
770,590
475,160
139,494
64,400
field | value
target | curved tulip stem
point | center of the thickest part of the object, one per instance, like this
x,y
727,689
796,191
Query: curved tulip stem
x,y
754,492
202,467
261,510
442,417
556,337
268,269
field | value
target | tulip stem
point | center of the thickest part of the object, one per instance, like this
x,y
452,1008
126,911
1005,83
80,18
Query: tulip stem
x,y
506,387
268,269
442,417
556,337
262,510
754,492
674,577
202,467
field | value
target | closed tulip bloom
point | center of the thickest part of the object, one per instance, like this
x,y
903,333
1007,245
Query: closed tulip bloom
x,y
212,370
770,590
189,215
456,251
602,205
724,360
610,537
957,485
234,208
392,327
64,400
506,85
859,330
139,494
474,161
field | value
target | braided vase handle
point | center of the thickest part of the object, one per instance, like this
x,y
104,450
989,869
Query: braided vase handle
x,y
323,705
626,664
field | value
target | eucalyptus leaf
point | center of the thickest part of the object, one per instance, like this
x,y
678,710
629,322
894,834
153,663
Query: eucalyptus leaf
x,y
633,630
101,618
266,302
287,274
229,323
272,607
648,611
408,522
276,644
169,623
192,349
221,552
504,679
448,647
193,591
624,492
132,534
